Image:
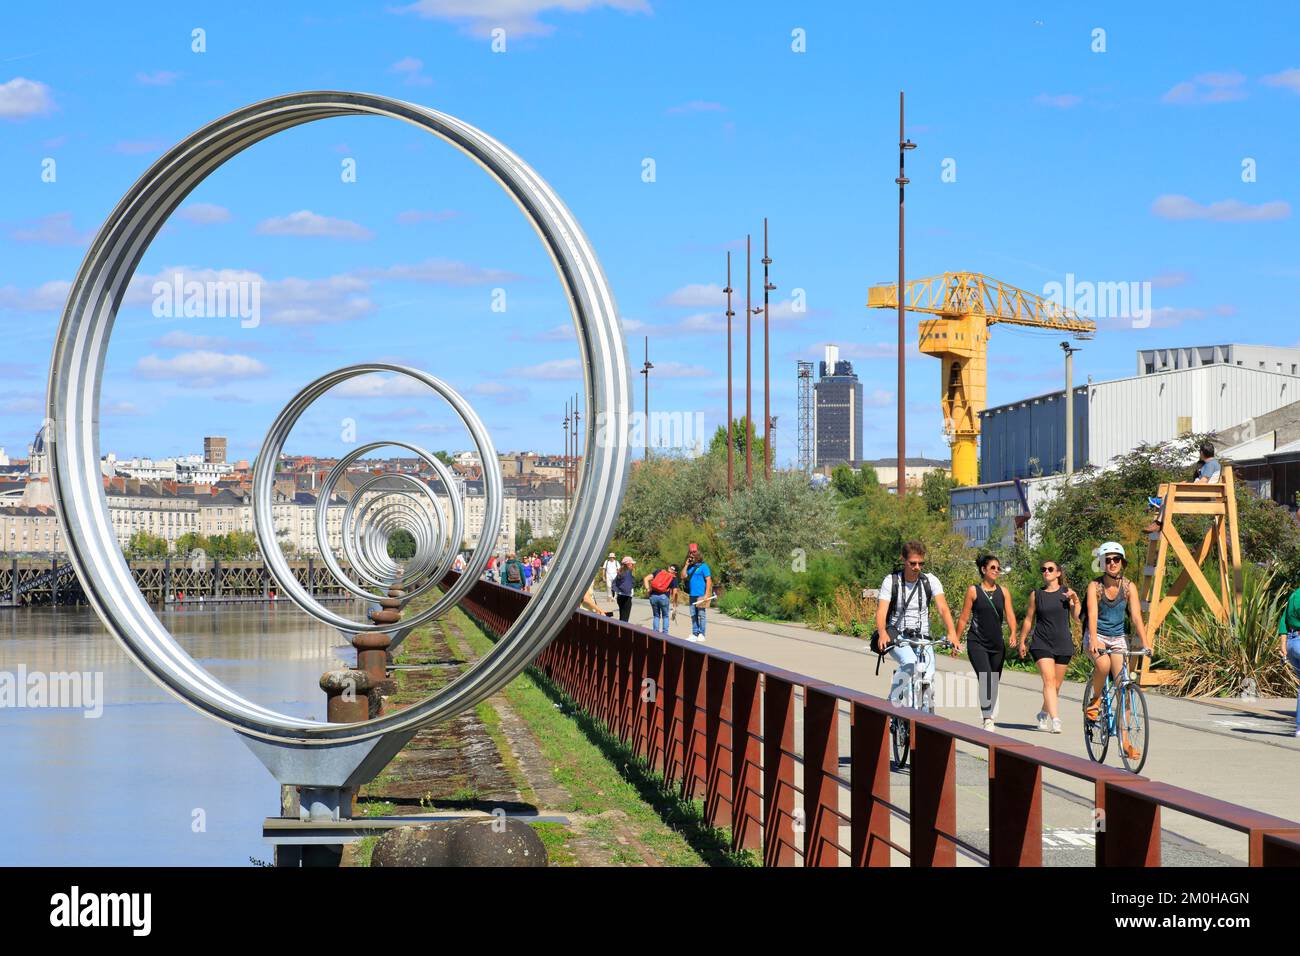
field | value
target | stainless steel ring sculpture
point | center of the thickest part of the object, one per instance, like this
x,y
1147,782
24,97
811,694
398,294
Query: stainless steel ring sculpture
x,y
351,525
493,490
366,542
76,374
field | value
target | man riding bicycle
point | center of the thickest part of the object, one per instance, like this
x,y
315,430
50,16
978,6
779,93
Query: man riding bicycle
x,y
1109,598
903,611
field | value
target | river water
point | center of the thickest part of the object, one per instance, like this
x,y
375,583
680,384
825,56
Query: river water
x,y
149,781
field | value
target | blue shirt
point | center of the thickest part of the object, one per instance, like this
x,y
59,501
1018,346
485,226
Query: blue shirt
x,y
695,579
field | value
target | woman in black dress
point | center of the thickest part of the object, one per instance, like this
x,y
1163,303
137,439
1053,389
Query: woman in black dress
x,y
987,607
1052,645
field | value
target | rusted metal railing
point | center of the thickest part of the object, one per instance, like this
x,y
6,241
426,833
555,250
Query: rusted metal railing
x,y
722,728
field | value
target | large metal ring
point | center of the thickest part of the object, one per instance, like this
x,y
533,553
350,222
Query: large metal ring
x,y
366,542
493,491
76,374
353,518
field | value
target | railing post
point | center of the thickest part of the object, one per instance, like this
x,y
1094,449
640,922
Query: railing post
x,y
717,742
934,797
746,760
654,711
821,791
1015,809
671,701
693,705
1130,832
869,787
627,695
1275,849
778,772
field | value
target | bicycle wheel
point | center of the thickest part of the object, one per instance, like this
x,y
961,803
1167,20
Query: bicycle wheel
x,y
1132,718
900,732
1096,733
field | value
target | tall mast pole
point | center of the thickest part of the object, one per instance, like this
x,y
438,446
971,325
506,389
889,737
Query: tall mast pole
x,y
767,371
577,416
565,460
749,375
731,446
903,146
645,370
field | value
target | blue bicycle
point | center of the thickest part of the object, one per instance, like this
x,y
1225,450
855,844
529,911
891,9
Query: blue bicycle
x,y
1123,714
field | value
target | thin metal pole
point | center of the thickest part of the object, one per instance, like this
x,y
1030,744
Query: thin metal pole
x,y
566,452
767,371
645,370
731,447
1069,407
575,453
903,146
749,375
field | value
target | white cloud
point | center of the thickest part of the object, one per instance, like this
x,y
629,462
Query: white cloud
x,y
1177,207
554,370
157,78
1059,101
378,385
21,98
442,272
1168,280
304,222
678,370
56,229
1207,88
696,295
516,17
46,297
177,339
204,213
200,369
411,70
1287,79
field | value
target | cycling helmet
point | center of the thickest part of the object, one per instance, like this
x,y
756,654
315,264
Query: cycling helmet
x,y
1110,547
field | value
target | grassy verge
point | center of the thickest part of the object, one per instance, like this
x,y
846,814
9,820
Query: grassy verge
x,y
602,775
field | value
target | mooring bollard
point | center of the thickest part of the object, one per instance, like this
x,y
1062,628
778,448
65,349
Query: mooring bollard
x,y
396,592
386,615
372,657
347,696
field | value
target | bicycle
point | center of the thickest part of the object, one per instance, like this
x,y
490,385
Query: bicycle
x,y
1123,714
900,728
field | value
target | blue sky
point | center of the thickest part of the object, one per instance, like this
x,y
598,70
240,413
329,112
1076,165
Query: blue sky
x,y
1117,166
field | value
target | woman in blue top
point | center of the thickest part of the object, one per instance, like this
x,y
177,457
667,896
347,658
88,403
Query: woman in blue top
x,y
1109,598
1288,629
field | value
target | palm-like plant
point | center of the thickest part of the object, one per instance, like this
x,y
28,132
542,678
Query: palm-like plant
x,y
1233,657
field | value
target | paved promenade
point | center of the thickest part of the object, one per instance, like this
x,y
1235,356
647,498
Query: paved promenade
x,y
1241,751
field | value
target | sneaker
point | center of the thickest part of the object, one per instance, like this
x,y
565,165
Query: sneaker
x,y
1056,725
1042,720
988,723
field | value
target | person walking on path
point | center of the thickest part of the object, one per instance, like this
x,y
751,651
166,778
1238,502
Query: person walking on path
x,y
512,573
987,608
660,585
1052,646
697,582
611,572
909,616
1110,597
624,583
1288,629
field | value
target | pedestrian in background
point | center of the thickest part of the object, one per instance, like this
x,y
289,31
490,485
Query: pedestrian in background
x,y
697,582
1288,629
987,608
624,584
611,572
660,585
1052,646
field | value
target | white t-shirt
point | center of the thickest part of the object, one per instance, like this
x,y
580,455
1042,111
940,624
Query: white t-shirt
x,y
917,615
611,570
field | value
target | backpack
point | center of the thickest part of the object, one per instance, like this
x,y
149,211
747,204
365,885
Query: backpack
x,y
661,582
894,591
513,573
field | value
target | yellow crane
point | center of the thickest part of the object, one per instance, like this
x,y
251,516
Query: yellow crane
x,y
965,304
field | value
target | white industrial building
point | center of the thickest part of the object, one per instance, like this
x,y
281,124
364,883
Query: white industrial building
x,y
1269,358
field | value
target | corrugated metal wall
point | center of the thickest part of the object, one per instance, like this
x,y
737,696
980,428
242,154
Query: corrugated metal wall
x,y
1154,408
1011,435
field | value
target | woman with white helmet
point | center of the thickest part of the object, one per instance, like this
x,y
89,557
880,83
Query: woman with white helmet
x,y
1109,597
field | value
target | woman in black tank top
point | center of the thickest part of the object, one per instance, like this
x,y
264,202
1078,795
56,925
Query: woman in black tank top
x,y
1052,645
987,607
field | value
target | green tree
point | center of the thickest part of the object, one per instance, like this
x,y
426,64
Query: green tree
x,y
850,483
401,545
146,545
523,534
718,444
775,517
936,487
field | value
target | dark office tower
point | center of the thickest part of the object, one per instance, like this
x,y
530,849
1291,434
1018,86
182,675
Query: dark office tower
x,y
838,412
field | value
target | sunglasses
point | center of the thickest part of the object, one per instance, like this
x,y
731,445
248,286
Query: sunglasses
x,y
1113,559
1046,568
916,564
